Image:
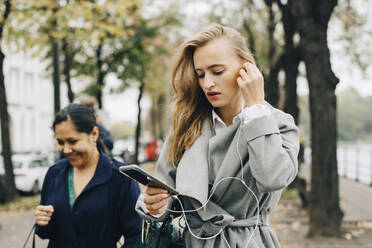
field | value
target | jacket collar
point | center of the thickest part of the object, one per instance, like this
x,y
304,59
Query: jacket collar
x,y
192,170
102,174
192,177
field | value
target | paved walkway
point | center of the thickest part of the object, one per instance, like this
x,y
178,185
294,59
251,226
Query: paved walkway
x,y
289,222
15,226
291,226
355,198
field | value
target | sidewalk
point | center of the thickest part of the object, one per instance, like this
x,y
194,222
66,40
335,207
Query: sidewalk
x,y
290,222
355,198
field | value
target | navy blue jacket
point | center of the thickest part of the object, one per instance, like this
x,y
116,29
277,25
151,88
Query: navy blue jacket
x,y
102,213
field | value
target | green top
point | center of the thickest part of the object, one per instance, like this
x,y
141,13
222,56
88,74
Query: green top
x,y
71,192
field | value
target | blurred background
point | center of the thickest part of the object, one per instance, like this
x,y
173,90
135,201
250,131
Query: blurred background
x,y
315,57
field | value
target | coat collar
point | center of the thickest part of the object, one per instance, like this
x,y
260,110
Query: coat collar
x,y
102,174
192,170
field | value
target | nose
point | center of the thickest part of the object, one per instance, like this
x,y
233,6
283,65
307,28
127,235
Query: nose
x,y
208,81
66,149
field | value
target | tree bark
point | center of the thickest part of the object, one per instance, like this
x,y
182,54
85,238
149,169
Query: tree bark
x,y
271,80
100,76
291,60
312,18
55,58
138,128
154,110
10,188
161,115
251,41
67,69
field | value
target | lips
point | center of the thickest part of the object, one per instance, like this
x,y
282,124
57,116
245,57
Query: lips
x,y
213,93
71,156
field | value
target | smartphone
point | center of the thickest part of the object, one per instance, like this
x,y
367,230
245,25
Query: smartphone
x,y
143,177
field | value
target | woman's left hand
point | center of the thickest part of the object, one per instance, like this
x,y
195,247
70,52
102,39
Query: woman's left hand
x,y
251,84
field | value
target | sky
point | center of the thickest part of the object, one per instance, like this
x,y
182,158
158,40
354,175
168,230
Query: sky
x,y
120,107
123,107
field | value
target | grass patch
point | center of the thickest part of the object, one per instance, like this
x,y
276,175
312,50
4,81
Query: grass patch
x,y
21,203
290,194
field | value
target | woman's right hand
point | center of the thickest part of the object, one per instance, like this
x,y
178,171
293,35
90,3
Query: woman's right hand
x,y
43,214
156,200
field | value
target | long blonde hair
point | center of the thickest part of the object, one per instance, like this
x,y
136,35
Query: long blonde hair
x,y
189,104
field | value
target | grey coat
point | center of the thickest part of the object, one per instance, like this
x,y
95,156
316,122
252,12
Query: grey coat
x,y
268,148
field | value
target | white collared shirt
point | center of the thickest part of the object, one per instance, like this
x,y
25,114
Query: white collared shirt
x,y
247,115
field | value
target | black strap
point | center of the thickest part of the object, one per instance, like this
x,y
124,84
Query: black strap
x,y
33,238
163,226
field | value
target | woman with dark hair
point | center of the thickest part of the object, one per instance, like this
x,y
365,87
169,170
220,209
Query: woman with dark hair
x,y
85,201
229,153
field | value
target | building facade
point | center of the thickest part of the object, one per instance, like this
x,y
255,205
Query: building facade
x,y
29,92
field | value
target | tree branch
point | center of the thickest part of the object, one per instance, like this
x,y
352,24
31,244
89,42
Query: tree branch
x,y
8,6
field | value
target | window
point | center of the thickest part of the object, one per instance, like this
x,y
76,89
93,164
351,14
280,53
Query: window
x,y
29,88
35,164
13,84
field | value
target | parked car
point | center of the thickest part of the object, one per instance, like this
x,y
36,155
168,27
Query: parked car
x,y
29,171
124,151
149,149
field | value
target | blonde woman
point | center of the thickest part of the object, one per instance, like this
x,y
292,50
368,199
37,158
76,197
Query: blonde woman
x,y
229,153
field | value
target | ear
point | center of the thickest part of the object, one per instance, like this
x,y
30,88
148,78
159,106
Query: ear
x,y
94,134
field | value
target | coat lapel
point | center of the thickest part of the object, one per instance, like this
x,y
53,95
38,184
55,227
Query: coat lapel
x,y
225,159
192,170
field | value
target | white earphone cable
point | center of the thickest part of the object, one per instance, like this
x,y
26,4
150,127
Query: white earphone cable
x,y
183,211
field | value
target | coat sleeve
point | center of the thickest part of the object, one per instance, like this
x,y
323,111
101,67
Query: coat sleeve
x,y
273,144
130,221
46,232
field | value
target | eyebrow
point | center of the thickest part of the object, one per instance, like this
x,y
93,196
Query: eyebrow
x,y
211,66
67,139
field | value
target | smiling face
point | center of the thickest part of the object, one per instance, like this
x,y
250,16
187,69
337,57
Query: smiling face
x,y
217,67
78,147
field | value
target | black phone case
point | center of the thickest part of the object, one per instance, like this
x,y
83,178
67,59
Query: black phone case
x,y
136,173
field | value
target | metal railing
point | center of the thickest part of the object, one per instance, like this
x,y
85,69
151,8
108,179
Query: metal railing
x,y
355,162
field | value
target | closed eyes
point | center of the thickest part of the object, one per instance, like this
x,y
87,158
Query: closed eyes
x,y
201,75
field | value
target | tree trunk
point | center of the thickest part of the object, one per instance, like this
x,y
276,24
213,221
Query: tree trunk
x,y
291,72
100,76
291,60
153,114
10,188
138,128
312,18
161,115
55,58
271,80
67,69
56,79
251,42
